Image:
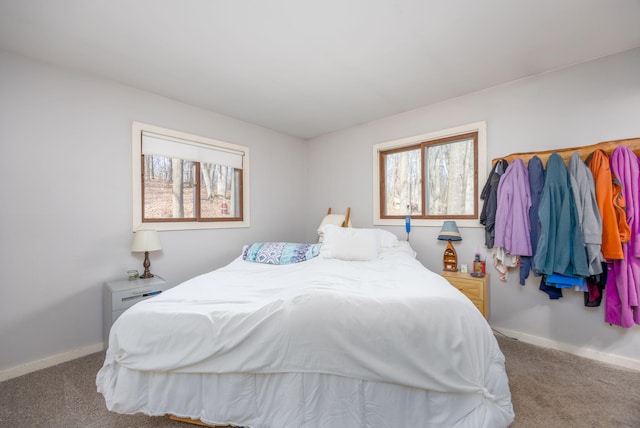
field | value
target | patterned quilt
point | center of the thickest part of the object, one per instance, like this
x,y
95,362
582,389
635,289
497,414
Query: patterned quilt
x,y
280,253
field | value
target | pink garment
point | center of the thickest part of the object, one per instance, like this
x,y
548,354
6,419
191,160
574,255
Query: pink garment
x,y
623,297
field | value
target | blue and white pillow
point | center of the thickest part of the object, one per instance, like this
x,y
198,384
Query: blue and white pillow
x,y
280,253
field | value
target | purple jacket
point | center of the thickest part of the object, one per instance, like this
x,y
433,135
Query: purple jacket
x,y
512,215
623,287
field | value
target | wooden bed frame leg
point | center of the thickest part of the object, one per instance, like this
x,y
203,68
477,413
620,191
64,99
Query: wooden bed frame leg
x,y
196,422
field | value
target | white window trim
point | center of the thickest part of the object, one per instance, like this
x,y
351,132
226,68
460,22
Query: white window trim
x,y
480,127
136,152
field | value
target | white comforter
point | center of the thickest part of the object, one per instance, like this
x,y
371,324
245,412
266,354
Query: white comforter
x,y
390,320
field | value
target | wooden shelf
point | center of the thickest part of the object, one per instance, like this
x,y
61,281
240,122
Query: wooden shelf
x,y
565,153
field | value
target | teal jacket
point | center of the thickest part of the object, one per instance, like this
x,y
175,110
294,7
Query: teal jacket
x,y
561,244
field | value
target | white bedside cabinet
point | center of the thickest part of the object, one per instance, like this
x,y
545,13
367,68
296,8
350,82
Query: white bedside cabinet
x,y
120,294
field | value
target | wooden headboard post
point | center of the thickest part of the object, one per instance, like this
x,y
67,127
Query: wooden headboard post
x,y
345,223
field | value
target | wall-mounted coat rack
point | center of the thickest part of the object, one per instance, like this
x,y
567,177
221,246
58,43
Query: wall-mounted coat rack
x,y
565,153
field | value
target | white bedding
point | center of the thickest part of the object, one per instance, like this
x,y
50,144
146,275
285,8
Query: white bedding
x,y
387,326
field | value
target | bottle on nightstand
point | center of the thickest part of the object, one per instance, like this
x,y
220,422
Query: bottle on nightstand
x,y
478,267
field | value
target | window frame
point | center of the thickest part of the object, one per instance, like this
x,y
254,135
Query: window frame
x,y
421,141
137,130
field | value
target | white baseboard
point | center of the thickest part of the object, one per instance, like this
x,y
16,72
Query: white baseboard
x,y
592,354
50,361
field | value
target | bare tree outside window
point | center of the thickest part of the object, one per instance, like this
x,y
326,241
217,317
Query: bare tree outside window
x,y
449,177
219,197
177,190
170,189
403,182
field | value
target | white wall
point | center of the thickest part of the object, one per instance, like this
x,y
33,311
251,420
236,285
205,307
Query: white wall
x,y
581,105
65,218
66,214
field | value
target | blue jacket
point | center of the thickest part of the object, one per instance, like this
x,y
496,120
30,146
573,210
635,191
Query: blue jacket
x,y
536,184
561,245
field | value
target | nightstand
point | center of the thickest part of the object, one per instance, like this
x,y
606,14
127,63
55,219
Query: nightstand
x,y
120,294
475,288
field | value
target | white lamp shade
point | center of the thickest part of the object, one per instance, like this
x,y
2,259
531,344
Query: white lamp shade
x,y
146,240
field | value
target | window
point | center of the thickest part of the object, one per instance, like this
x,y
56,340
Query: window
x,y
430,177
183,181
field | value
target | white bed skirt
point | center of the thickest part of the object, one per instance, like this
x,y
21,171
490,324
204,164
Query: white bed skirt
x,y
305,400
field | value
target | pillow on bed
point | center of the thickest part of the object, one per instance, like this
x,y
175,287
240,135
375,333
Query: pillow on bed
x,y
280,253
400,247
387,239
335,219
347,243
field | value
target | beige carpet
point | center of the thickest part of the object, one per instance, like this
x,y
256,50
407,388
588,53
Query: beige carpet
x,y
549,389
555,389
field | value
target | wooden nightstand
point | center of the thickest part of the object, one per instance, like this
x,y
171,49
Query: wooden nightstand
x,y
475,288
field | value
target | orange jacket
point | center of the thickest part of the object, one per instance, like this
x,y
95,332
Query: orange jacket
x,y
611,204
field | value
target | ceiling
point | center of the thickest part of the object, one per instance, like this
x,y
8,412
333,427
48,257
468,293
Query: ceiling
x,y
306,68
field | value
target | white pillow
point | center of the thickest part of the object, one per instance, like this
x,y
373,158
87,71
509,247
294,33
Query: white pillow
x,y
400,247
347,243
387,239
335,219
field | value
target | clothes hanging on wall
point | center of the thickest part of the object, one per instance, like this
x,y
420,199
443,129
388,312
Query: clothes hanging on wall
x,y
615,232
583,226
561,245
490,197
563,281
611,205
536,184
596,286
589,219
624,298
512,228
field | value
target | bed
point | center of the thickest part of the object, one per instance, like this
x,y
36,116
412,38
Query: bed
x,y
353,332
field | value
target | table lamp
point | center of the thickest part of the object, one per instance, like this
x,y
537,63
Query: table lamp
x,y
146,240
450,232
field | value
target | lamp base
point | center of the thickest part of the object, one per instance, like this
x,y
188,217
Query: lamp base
x,y
147,264
450,259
